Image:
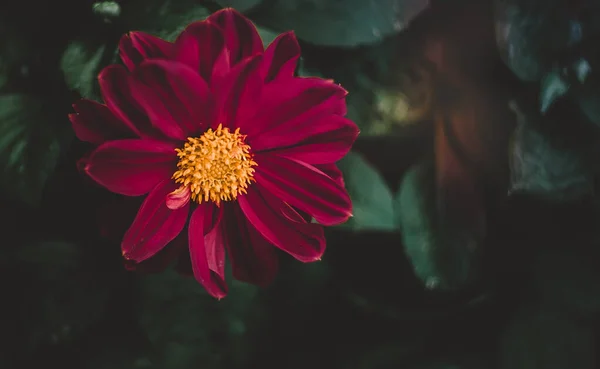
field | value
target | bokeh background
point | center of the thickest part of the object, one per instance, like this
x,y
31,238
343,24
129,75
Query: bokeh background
x,y
474,242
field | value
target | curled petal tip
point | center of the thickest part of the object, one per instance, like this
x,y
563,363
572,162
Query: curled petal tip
x,y
178,198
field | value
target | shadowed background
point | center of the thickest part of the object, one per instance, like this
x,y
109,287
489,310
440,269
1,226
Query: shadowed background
x,y
473,243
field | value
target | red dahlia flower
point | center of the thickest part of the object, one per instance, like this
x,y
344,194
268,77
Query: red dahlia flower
x,y
215,126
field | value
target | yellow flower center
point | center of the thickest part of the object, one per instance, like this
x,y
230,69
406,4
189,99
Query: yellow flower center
x,y
216,166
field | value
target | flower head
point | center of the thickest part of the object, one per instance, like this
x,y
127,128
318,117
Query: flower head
x,y
232,151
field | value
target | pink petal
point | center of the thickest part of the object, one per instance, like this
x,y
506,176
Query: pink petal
x,y
238,92
253,258
115,87
155,225
285,103
199,46
174,96
291,233
131,167
207,251
320,141
241,37
178,198
94,123
135,47
305,187
281,57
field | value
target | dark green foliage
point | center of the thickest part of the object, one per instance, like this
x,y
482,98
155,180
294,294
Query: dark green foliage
x,y
339,23
508,238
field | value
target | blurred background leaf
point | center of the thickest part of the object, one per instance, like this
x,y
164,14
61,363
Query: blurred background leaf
x,y
372,200
30,145
335,23
240,5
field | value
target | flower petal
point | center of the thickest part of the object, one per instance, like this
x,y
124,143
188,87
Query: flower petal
x,y
116,90
135,47
94,123
237,94
304,241
200,46
131,167
162,259
320,141
332,171
241,37
285,103
155,225
206,251
253,258
304,187
174,96
281,57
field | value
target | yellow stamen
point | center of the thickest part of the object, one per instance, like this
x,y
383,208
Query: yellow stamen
x,y
216,166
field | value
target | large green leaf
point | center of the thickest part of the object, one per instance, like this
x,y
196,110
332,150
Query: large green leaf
x,y
187,326
30,144
372,200
340,23
441,251
80,66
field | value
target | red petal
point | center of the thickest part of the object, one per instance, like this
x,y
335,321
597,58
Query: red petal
x,y
162,259
241,37
206,251
304,241
131,167
135,47
285,103
94,123
281,57
116,90
320,141
253,258
199,46
174,96
155,225
332,171
304,187
238,93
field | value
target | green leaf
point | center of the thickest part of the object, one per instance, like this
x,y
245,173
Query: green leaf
x,y
372,199
340,23
187,326
537,339
80,67
550,160
30,145
441,252
175,15
239,5
65,296
552,88
165,19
